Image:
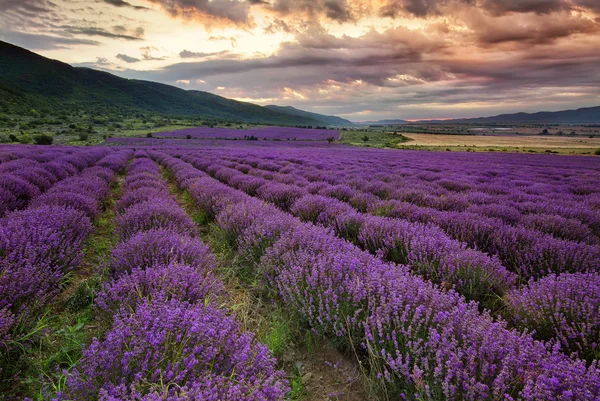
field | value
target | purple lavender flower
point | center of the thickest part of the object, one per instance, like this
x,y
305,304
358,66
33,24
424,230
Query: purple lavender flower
x,y
170,348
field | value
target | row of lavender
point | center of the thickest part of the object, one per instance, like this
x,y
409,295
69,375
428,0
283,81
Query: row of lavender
x,y
510,188
169,339
27,172
562,201
268,133
431,344
41,245
563,308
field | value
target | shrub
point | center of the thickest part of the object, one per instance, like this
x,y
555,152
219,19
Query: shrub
x,y
159,247
174,281
83,136
43,139
172,350
562,307
154,214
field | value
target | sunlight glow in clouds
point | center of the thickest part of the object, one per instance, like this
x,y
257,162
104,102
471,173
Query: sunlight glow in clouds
x,y
354,58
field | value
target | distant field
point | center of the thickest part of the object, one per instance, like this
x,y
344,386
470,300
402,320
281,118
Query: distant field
x,y
527,142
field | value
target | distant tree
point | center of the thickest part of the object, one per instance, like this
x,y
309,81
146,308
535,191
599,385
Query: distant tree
x,y
25,139
365,138
597,152
330,139
84,136
149,135
188,136
13,138
544,131
43,139
560,133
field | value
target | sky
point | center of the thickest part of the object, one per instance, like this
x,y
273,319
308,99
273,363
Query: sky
x,y
358,59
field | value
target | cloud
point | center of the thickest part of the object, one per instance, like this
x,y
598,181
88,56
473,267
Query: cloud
x,y
136,34
127,59
527,30
41,41
190,54
210,12
146,53
231,39
121,3
27,6
336,10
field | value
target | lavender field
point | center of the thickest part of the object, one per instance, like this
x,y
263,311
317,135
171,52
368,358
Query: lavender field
x,y
264,133
139,271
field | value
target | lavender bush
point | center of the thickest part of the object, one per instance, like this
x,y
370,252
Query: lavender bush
x,y
172,349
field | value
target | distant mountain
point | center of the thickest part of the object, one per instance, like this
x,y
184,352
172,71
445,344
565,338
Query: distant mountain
x,y
325,120
588,115
383,122
30,81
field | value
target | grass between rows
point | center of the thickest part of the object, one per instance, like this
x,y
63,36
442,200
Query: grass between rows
x,y
56,343
301,353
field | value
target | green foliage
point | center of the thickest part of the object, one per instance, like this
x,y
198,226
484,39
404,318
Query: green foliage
x,y
376,139
279,336
83,136
13,138
297,390
25,139
365,138
597,152
43,139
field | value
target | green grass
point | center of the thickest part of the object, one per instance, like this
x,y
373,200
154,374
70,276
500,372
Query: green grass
x,y
297,391
376,139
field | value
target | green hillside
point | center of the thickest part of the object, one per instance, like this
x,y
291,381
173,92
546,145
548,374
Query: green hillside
x,y
323,119
30,81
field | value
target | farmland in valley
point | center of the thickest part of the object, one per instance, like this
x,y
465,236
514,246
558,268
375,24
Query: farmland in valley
x,y
169,268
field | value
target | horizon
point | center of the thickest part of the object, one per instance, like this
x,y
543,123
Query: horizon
x,y
360,60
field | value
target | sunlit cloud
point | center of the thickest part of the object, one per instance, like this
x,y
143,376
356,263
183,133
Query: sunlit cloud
x,y
361,59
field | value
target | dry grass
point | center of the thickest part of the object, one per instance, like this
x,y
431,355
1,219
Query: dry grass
x,y
520,141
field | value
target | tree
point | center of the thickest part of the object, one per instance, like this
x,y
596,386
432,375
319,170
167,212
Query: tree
x,y
13,138
83,136
365,138
43,139
330,139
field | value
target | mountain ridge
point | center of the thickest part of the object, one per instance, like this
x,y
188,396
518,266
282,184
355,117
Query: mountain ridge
x,y
31,81
584,115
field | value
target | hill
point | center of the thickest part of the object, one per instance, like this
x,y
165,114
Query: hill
x,y
30,81
384,122
588,115
325,120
